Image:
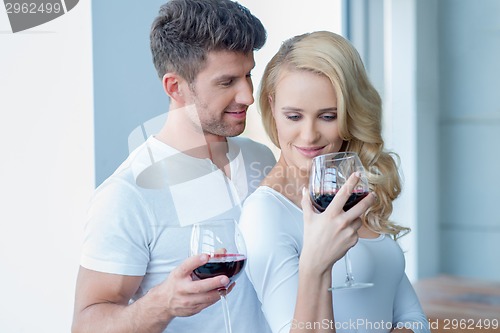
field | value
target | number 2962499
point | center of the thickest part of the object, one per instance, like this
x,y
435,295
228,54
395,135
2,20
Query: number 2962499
x,y
33,8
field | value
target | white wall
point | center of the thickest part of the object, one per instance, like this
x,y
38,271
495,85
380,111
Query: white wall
x,y
47,168
400,114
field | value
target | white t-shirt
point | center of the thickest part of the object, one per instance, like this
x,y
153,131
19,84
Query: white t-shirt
x,y
139,222
273,229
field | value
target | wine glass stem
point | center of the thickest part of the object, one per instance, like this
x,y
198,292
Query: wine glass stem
x,y
225,309
349,279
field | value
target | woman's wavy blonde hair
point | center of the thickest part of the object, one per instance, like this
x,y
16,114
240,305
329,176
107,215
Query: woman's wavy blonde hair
x,y
359,113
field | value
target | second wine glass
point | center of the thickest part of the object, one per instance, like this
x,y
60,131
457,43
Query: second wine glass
x,y
223,242
329,173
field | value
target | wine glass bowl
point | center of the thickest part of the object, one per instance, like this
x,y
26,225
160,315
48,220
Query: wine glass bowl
x,y
329,173
224,243
230,265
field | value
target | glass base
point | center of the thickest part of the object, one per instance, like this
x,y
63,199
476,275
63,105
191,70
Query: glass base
x,y
355,285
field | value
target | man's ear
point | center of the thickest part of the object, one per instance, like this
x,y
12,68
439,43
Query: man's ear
x,y
172,85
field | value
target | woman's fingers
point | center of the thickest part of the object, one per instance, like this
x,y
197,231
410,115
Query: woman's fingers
x,y
341,197
361,207
337,205
307,207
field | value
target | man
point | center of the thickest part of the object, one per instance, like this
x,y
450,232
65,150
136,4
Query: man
x,y
134,275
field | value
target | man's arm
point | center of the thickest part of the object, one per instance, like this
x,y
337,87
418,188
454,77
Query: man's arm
x,y
102,300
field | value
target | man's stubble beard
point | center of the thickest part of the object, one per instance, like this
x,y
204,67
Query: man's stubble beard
x,y
214,123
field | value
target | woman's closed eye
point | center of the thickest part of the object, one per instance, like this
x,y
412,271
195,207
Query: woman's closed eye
x,y
293,116
328,116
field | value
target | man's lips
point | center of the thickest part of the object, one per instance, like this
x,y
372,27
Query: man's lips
x,y
237,114
310,151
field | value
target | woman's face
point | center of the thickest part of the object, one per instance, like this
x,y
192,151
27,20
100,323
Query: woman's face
x,y
305,111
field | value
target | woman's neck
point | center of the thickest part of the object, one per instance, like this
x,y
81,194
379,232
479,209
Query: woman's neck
x,y
287,180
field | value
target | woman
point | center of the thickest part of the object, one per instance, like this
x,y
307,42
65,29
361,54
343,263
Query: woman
x,y
316,98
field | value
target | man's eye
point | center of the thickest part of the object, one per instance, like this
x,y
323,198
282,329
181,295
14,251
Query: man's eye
x,y
226,83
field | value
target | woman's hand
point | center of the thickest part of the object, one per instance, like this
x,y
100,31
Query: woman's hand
x,y
328,235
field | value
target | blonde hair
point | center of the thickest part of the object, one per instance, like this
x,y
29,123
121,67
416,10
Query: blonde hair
x,y
359,113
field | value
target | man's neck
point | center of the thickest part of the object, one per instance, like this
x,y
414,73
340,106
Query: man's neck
x,y
193,142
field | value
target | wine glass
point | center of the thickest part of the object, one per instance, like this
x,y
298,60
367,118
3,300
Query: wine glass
x,y
328,173
223,242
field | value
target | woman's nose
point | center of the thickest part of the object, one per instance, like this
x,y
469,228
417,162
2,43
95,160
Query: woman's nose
x,y
309,132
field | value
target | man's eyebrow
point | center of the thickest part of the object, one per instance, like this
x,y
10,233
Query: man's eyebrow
x,y
225,77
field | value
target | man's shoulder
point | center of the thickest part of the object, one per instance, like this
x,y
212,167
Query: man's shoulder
x,y
248,145
255,152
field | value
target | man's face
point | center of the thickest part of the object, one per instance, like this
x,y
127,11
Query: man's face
x,y
222,92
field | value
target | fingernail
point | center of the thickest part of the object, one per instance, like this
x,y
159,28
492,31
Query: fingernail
x,y
224,281
358,174
304,191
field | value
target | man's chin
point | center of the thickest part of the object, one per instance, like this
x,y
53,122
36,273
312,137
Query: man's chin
x,y
227,133
233,134
235,130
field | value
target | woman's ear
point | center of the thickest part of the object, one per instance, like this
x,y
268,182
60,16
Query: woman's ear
x,y
271,104
172,86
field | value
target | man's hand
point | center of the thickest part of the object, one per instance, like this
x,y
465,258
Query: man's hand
x,y
102,300
181,296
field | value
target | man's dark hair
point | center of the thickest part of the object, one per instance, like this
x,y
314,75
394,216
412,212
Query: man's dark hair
x,y
186,30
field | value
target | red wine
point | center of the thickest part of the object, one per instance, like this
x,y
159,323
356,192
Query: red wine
x,y
230,265
323,200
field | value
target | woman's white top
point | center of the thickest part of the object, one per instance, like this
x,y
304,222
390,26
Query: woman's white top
x,y
273,229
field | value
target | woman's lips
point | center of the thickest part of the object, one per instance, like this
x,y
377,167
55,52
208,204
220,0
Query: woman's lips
x,y
310,151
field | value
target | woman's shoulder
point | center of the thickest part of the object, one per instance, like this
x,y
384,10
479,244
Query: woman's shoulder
x,y
267,216
264,196
267,204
